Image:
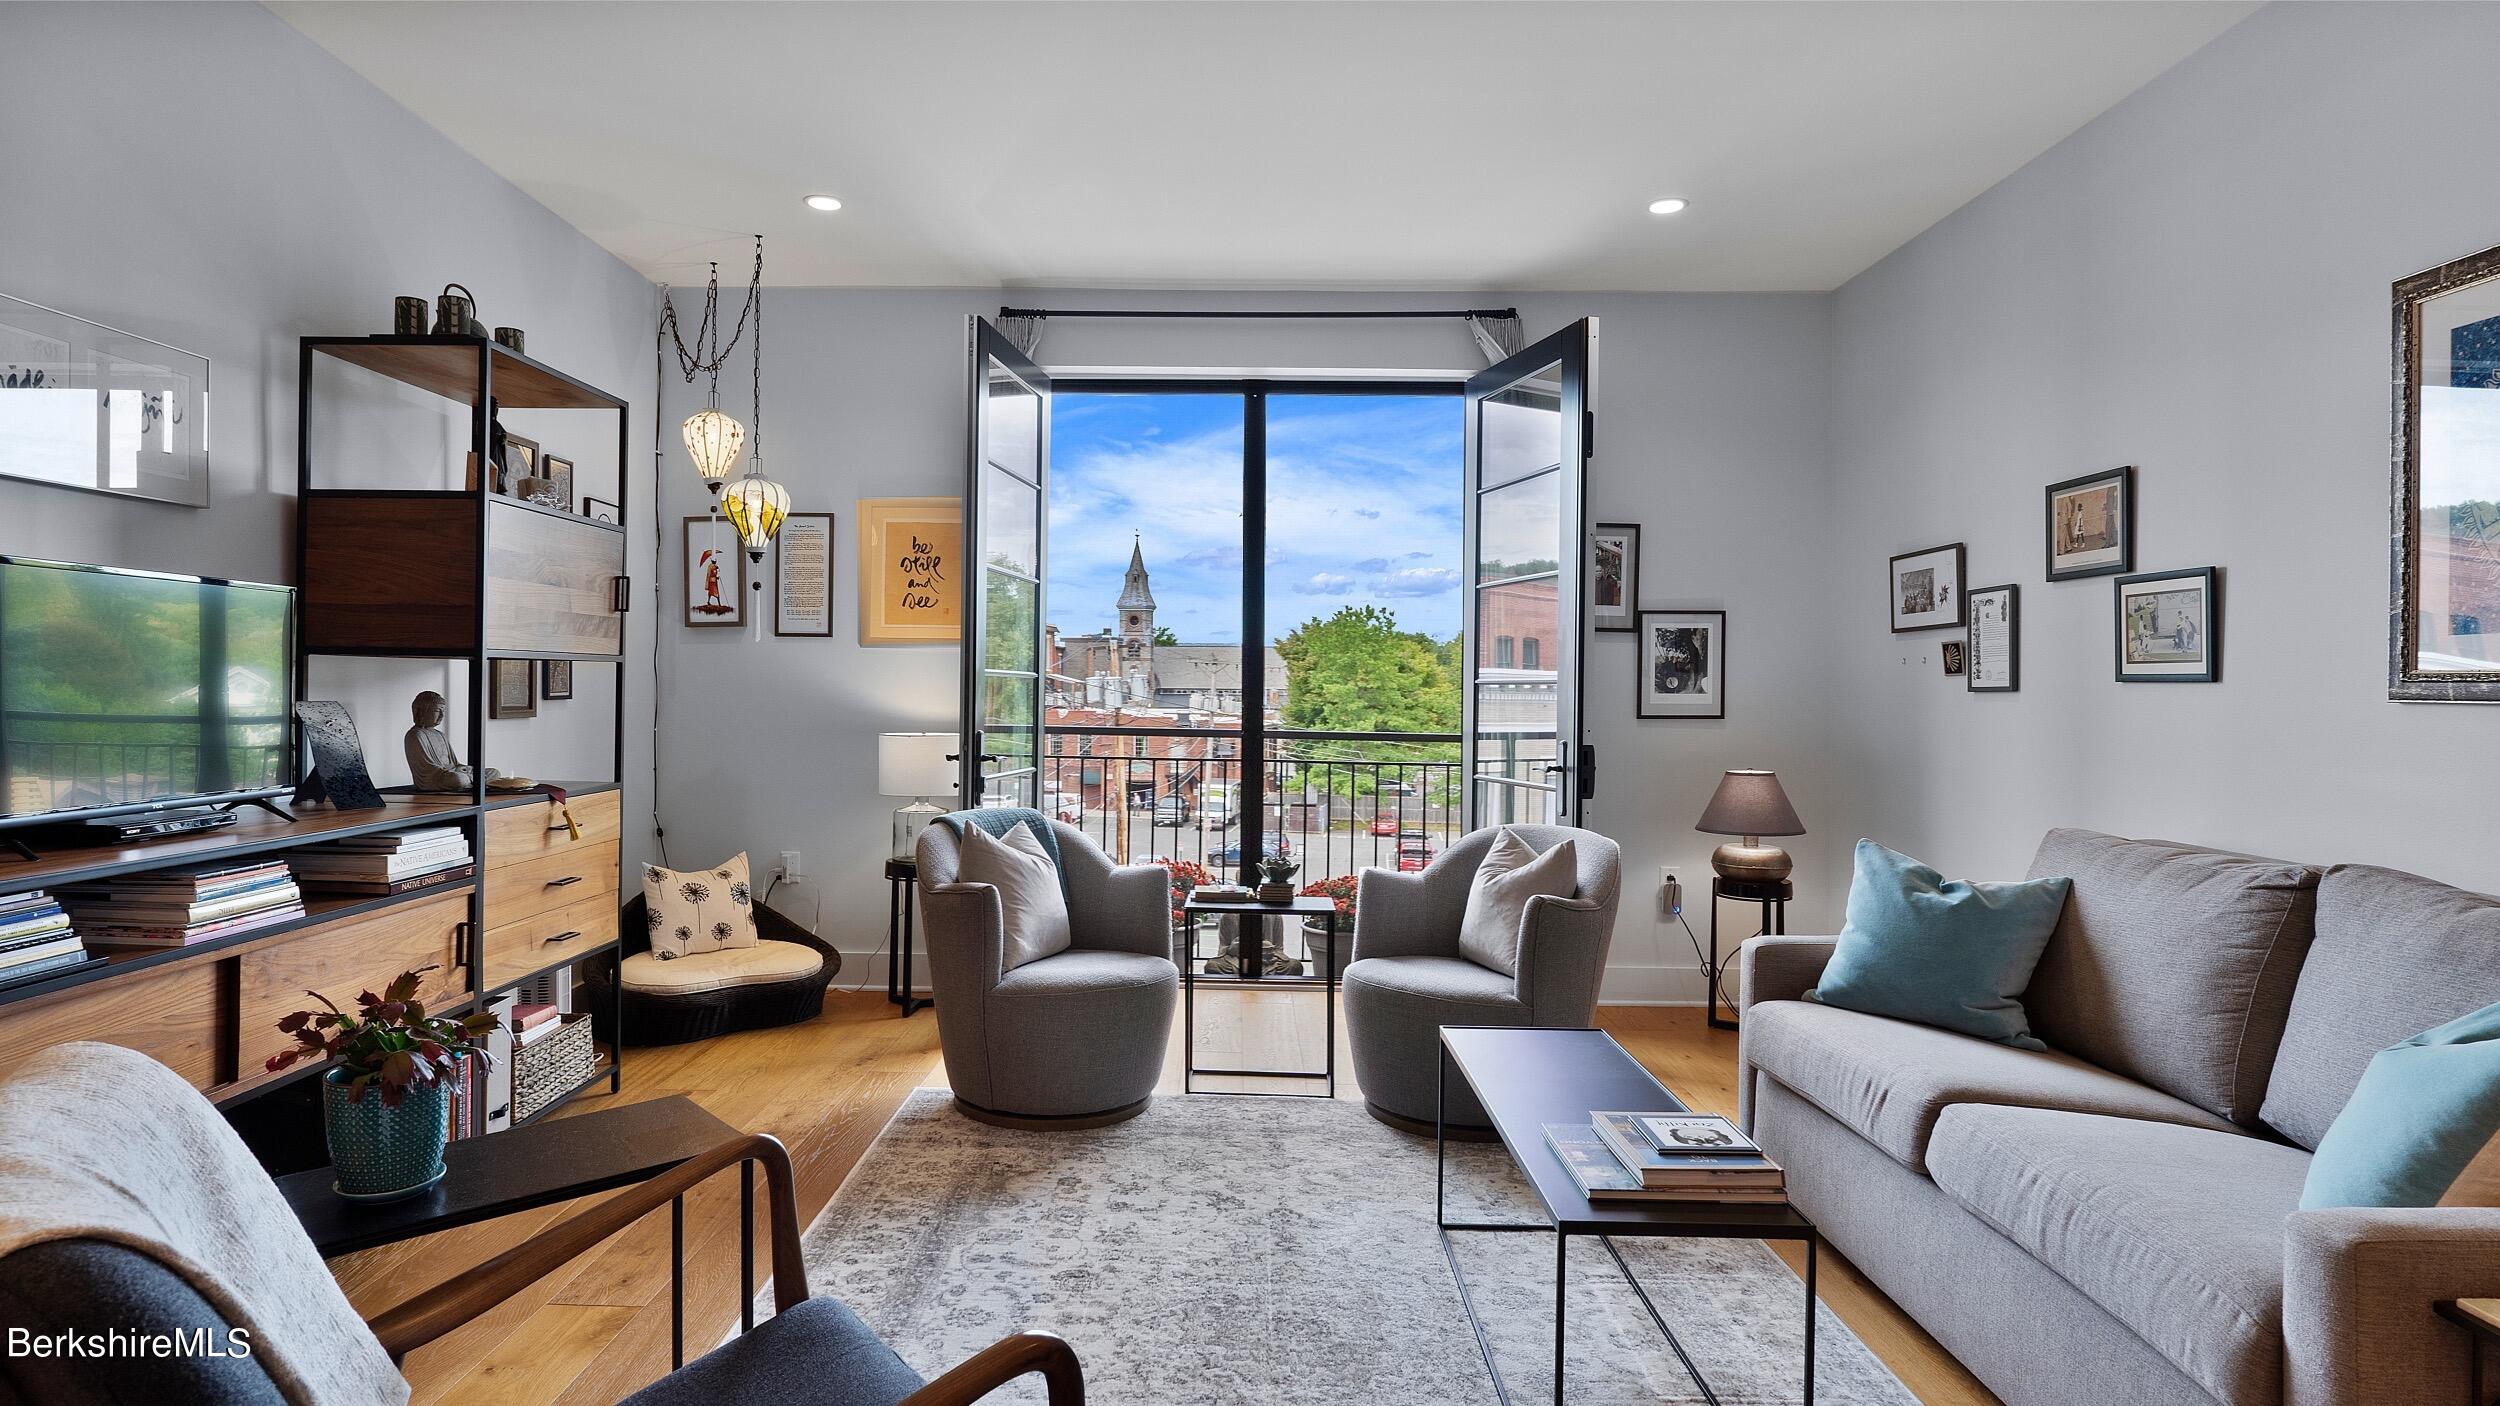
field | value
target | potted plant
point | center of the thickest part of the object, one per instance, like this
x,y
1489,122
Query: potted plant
x,y
1340,890
1186,876
386,1103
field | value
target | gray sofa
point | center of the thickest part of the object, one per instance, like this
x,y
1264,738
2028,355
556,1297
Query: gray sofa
x,y
2116,1220
1076,1039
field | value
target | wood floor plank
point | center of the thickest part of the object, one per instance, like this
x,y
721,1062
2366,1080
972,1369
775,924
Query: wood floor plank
x,y
599,1330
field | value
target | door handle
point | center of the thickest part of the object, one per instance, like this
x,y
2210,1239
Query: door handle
x,y
621,595
1588,772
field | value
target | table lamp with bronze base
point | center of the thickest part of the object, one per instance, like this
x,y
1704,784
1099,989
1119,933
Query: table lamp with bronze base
x,y
1750,805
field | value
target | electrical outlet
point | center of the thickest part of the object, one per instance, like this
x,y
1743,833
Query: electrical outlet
x,y
1670,892
791,871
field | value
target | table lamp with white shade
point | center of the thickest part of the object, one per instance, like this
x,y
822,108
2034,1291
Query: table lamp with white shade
x,y
918,765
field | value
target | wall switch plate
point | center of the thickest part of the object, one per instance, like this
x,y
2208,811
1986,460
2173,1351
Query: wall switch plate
x,y
791,871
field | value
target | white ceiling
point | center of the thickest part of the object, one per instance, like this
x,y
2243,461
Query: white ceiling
x,y
1509,146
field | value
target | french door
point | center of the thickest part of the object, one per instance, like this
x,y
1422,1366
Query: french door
x,y
1529,425
1006,532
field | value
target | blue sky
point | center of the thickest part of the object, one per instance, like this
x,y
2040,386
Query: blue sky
x,y
1364,506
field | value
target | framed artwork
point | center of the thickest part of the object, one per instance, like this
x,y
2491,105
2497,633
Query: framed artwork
x,y
1926,589
2092,525
1952,658
1615,576
520,461
2443,622
1995,640
90,407
601,510
911,578
558,471
2170,626
511,688
1683,664
803,576
555,679
715,573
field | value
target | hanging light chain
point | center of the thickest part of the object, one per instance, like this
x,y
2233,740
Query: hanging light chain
x,y
701,359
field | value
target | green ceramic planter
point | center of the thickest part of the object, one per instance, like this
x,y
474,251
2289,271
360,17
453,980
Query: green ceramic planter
x,y
383,1154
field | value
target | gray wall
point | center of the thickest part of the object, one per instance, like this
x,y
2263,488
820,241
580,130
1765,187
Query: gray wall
x,y
2196,283
206,176
1710,414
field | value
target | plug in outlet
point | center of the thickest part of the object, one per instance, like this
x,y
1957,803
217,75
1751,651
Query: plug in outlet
x,y
1670,892
791,870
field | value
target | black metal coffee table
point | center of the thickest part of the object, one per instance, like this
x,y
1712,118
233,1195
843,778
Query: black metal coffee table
x,y
1253,944
1526,1078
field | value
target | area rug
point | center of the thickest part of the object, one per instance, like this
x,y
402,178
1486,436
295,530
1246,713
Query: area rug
x,y
1221,1250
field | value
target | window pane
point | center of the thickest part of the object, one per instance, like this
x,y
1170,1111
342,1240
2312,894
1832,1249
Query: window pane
x,y
1011,522
1015,427
1519,532
1522,428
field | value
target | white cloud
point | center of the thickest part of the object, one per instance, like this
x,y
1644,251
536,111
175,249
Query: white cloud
x,y
1417,581
1328,583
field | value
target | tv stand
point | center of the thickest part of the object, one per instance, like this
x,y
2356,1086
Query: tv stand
x,y
261,802
19,847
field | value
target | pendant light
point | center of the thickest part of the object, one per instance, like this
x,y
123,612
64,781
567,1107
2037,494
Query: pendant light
x,y
713,436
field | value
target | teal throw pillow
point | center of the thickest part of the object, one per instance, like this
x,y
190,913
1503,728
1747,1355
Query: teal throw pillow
x,y
2410,1135
1953,955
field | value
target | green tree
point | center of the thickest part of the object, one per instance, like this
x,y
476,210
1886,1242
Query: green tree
x,y
1356,671
1164,635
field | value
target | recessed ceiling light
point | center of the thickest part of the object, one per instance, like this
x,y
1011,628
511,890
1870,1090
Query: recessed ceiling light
x,y
1656,207
827,202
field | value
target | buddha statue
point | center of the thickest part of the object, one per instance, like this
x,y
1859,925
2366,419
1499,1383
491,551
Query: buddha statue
x,y
432,765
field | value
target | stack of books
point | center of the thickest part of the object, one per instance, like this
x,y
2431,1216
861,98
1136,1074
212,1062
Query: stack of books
x,y
371,865
178,907
36,937
532,1023
1666,1157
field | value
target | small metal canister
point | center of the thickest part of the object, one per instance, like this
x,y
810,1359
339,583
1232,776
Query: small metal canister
x,y
408,317
510,338
455,313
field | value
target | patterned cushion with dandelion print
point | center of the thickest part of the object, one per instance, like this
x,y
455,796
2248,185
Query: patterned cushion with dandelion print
x,y
699,910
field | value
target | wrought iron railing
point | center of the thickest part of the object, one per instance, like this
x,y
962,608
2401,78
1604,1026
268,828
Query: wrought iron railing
x,y
45,773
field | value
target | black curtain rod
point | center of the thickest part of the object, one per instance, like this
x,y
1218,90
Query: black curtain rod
x,y
1512,313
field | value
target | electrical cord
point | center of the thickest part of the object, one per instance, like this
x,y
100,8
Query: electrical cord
x,y
1715,993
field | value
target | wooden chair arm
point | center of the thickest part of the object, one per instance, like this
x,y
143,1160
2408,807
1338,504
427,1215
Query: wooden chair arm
x,y
1004,1361
429,1315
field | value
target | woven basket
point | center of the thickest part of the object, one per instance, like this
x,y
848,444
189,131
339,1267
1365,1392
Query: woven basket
x,y
548,1070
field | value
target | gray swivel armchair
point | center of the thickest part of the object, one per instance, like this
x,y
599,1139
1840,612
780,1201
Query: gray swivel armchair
x,y
1075,1039
1408,979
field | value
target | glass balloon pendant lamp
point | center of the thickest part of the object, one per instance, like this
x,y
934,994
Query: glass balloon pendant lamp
x,y
714,439
756,506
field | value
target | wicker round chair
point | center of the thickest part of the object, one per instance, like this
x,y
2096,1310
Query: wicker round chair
x,y
746,1002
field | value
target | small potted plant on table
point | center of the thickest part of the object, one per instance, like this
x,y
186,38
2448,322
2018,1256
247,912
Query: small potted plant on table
x,y
1340,890
386,1104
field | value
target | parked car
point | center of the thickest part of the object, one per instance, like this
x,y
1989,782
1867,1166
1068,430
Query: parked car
x,y
1385,823
1397,788
1414,855
1272,846
1172,810
1064,805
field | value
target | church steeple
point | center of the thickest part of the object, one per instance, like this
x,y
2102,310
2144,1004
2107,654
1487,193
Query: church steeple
x,y
1133,592
1137,615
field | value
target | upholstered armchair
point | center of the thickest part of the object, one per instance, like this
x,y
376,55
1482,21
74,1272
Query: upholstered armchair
x,y
1072,1040
1408,978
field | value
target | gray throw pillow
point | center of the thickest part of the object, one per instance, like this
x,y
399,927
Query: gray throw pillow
x,y
1497,900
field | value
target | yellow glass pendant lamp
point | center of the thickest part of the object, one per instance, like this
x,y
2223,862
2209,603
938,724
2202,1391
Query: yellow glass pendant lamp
x,y
756,507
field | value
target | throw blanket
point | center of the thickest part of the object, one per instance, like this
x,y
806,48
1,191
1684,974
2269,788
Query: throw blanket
x,y
102,1143
998,821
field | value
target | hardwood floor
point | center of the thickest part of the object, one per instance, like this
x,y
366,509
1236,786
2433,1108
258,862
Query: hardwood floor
x,y
599,1329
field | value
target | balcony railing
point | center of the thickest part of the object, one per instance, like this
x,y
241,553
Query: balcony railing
x,y
46,773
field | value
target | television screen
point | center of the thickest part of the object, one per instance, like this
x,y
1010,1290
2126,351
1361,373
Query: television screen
x,y
124,689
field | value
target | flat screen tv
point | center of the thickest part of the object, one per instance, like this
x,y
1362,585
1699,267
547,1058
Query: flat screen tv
x,y
125,691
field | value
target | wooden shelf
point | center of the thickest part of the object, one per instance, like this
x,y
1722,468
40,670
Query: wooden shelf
x,y
254,832
447,366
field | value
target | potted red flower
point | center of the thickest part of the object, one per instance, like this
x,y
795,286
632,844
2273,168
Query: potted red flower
x,y
1342,890
386,1103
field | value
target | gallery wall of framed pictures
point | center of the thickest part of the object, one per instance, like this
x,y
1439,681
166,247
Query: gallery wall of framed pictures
x,y
2165,626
